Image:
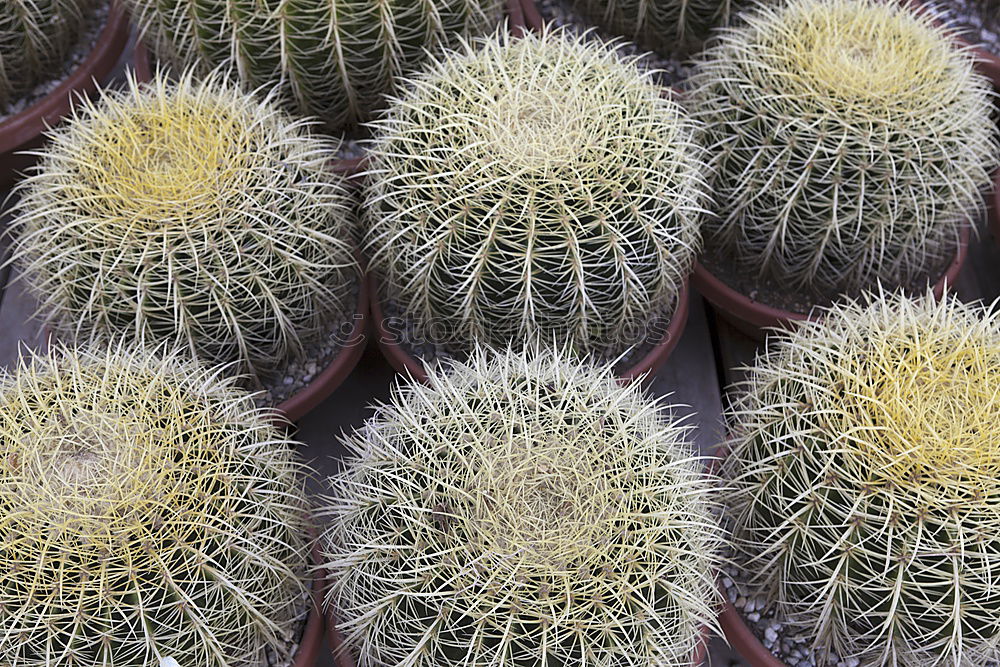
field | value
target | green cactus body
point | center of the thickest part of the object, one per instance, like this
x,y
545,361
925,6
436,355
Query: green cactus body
x,y
537,187
850,139
667,26
147,511
36,37
521,509
865,481
189,213
333,60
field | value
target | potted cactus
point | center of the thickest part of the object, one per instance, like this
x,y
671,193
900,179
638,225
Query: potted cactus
x,y
192,213
149,514
851,142
558,200
521,508
333,61
863,489
49,52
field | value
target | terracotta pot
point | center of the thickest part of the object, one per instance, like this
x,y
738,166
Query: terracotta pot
x,y
342,658
311,643
408,365
351,167
319,389
741,638
754,319
25,130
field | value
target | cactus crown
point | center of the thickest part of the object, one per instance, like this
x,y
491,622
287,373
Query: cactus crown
x,y
189,212
332,60
850,139
147,510
521,509
36,36
673,26
866,480
534,187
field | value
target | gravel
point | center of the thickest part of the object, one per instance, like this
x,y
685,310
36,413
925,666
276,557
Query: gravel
x,y
666,70
977,21
86,40
298,373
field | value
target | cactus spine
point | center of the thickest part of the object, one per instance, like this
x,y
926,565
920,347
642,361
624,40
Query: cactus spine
x,y
561,200
521,509
331,59
864,473
36,37
851,142
189,213
147,511
668,26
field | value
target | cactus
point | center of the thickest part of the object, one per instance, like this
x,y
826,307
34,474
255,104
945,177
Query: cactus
x,y
865,485
521,509
332,60
148,511
36,37
851,141
667,26
561,200
192,213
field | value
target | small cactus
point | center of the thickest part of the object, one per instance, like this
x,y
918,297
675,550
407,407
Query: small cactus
x,y
851,141
36,37
521,509
332,60
189,213
667,26
560,200
865,481
148,513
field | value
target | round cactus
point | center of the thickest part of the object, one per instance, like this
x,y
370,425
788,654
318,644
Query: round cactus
x,y
560,200
865,481
36,37
332,60
192,213
521,509
669,26
147,511
850,139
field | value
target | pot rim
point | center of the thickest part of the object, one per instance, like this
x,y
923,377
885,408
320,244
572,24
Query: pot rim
x,y
26,126
643,370
757,318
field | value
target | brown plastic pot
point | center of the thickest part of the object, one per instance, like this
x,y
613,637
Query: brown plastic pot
x,y
311,644
521,14
25,130
303,401
407,365
742,638
342,657
754,318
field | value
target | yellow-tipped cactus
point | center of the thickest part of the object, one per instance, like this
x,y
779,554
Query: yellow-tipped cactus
x,y
865,475
36,37
147,511
189,213
521,509
333,60
851,141
534,188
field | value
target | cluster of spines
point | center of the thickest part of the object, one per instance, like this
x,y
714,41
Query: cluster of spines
x,y
148,510
332,60
863,473
521,509
850,141
560,200
36,36
192,213
666,26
